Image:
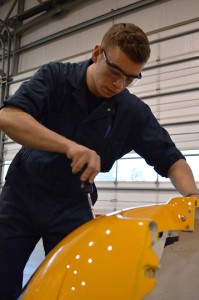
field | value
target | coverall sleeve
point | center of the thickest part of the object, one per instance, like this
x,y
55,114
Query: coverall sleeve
x,y
152,142
36,95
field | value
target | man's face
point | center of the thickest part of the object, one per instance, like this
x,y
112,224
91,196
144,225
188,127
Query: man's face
x,y
112,72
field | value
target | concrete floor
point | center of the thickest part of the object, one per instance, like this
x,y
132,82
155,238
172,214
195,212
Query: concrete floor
x,y
178,276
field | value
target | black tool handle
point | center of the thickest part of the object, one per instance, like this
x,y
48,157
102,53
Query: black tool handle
x,y
87,187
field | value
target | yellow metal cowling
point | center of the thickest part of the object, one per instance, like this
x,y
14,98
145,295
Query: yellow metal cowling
x,y
110,257
177,214
107,258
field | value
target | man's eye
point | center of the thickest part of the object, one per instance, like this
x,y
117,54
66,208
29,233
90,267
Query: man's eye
x,y
115,72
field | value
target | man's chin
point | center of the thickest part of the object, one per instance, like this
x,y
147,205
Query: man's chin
x,y
107,93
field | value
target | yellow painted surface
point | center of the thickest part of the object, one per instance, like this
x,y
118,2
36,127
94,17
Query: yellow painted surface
x,y
110,257
107,258
176,214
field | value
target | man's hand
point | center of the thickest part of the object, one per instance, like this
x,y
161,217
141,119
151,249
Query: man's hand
x,y
84,160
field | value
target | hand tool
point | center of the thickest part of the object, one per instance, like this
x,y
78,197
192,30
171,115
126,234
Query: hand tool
x,y
87,188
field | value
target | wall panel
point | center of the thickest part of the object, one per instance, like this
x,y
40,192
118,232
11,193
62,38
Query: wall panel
x,y
170,78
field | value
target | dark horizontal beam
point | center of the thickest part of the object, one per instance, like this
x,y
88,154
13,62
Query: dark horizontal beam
x,y
45,6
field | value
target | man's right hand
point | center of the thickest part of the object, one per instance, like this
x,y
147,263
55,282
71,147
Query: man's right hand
x,y
84,160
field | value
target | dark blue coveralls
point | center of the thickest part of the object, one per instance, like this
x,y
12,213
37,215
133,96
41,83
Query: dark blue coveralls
x,y
41,198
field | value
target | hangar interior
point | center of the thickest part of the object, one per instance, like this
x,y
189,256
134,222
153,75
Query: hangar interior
x,y
34,32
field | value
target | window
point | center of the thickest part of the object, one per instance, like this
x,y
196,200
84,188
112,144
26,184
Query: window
x,y
5,167
133,168
192,158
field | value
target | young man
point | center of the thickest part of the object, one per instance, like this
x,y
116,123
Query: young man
x,y
73,121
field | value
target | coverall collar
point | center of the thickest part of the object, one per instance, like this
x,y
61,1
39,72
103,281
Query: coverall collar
x,y
78,81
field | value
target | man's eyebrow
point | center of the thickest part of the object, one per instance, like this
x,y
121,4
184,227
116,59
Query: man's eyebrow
x,y
120,70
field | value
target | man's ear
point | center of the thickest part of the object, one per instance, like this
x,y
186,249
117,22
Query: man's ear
x,y
96,52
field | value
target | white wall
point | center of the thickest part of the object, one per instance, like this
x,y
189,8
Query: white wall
x,y
170,79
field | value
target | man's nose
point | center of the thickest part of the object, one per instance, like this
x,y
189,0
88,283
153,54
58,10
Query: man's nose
x,y
120,83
